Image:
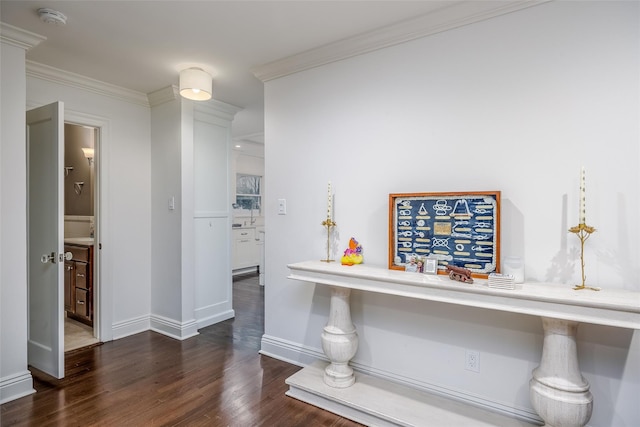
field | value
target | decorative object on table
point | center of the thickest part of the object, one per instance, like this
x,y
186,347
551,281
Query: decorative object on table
x,y
430,266
501,281
514,266
353,254
459,274
329,222
462,227
582,230
414,264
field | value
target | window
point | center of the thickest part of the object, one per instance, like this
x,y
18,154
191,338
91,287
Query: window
x,y
248,194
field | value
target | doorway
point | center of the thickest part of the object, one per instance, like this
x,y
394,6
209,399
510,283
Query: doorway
x,y
80,220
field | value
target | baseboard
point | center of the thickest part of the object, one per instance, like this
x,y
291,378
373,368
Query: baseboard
x,y
16,386
130,327
204,319
304,356
172,328
289,351
246,270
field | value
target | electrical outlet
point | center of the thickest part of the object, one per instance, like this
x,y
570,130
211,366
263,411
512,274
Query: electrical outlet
x,y
472,360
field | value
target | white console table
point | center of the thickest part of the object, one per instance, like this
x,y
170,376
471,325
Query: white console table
x,y
559,393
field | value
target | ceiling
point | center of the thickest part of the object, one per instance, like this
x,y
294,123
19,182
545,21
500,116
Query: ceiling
x,y
142,45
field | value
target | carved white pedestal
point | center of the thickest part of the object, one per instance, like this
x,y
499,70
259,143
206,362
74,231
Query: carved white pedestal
x,y
339,340
559,393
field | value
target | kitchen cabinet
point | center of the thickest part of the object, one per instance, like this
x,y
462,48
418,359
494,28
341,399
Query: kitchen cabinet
x,y
78,283
245,249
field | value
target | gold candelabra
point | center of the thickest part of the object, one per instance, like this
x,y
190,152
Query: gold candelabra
x,y
328,223
583,231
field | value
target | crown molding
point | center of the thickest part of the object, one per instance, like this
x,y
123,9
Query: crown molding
x,y
216,108
254,138
449,17
160,96
55,75
18,37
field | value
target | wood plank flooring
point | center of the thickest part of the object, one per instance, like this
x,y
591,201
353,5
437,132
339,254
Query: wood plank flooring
x,y
214,379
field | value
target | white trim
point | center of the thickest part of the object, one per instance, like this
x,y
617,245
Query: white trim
x,y
215,112
289,351
456,15
160,96
130,327
102,284
172,328
207,316
18,37
67,78
16,386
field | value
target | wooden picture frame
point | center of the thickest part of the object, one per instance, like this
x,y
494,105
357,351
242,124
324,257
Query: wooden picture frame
x,y
460,228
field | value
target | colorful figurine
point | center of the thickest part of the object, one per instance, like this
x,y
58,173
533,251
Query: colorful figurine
x,y
352,255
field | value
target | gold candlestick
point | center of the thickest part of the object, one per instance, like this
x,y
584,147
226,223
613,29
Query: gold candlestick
x,y
328,223
583,231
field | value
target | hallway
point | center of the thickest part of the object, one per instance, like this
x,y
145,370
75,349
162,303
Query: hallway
x,y
214,379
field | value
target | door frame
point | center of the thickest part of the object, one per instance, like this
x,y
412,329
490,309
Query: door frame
x,y
102,296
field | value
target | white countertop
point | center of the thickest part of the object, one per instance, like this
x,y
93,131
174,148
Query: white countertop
x,y
86,241
611,307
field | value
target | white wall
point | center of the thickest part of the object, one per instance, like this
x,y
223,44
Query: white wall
x,y
517,103
166,252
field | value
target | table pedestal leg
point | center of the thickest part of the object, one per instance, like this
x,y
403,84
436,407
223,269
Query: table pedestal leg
x,y
559,393
339,340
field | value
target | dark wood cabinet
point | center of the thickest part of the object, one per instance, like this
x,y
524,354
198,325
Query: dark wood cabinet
x,y
78,283
69,288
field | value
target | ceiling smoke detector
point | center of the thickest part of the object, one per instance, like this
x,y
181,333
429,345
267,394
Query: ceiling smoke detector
x,y
51,16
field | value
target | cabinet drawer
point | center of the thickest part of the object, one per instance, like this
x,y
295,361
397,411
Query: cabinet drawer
x,y
82,302
244,233
79,253
81,274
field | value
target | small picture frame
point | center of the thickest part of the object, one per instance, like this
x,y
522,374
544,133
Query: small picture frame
x,y
414,264
430,266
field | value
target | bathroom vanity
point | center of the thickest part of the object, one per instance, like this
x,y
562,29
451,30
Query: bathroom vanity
x,y
78,280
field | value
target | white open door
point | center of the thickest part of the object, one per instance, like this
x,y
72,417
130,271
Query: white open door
x,y
45,198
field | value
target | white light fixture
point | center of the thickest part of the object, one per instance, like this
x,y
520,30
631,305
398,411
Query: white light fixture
x,y
195,84
88,153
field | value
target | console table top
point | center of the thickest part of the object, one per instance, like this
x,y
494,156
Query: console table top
x,y
609,307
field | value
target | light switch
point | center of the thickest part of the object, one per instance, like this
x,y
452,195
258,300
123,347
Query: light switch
x,y
172,203
282,206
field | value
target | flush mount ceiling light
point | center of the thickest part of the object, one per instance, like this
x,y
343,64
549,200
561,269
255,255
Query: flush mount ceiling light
x,y
195,84
51,16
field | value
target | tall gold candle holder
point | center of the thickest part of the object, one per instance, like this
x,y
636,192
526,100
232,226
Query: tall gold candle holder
x,y
328,223
583,231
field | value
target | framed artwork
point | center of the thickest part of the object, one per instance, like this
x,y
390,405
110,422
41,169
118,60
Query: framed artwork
x,y
461,229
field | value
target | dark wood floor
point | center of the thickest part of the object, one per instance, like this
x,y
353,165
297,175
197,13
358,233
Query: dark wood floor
x,y
215,379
